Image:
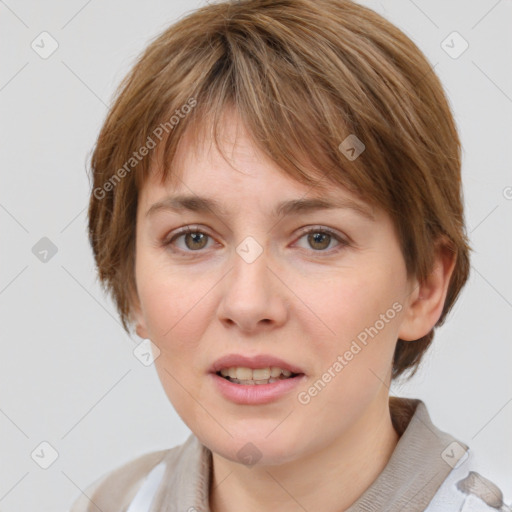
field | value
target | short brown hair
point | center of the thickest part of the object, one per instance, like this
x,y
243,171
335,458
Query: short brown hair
x,y
303,75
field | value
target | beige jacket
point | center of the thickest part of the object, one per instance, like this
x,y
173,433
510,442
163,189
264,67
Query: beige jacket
x,y
424,459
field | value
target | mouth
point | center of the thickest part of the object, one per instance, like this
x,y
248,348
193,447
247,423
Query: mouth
x,y
258,376
254,370
255,380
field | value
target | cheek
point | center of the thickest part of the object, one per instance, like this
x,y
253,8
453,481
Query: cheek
x,y
355,317
342,306
175,310
175,305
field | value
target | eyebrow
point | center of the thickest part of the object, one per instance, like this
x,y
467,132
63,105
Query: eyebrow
x,y
200,204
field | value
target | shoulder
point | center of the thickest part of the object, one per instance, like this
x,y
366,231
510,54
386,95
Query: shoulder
x,y
467,489
114,490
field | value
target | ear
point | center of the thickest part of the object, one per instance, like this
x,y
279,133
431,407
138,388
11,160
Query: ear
x,y
426,301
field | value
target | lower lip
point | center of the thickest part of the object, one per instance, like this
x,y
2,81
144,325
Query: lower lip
x,y
255,394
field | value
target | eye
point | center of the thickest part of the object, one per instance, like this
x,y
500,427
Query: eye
x,y
193,238
320,238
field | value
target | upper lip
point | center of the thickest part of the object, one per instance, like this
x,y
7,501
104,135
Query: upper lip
x,y
253,362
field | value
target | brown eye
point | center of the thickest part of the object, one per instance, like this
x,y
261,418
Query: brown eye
x,y
195,240
319,240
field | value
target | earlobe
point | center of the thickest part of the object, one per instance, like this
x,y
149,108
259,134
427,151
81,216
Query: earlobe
x,y
428,297
138,318
141,331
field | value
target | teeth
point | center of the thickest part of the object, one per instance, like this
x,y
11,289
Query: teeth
x,y
254,382
275,372
262,375
228,372
244,373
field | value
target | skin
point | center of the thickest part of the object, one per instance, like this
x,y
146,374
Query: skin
x,y
301,301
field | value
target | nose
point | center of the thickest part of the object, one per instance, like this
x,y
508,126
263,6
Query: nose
x,y
254,297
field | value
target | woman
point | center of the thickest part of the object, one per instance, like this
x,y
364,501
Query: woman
x,y
277,210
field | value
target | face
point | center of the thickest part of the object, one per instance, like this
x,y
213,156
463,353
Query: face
x,y
323,289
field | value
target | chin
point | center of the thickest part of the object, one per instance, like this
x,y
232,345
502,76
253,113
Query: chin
x,y
257,449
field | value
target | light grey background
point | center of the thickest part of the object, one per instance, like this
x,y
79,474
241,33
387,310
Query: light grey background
x,y
68,374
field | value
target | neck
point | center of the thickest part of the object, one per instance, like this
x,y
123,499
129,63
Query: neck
x,y
330,480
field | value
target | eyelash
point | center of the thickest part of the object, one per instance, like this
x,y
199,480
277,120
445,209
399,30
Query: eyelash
x,y
324,231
